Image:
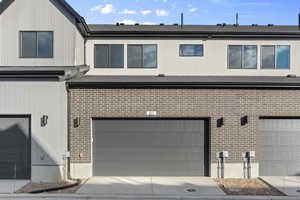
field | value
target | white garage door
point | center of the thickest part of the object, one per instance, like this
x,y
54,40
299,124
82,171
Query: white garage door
x,y
279,147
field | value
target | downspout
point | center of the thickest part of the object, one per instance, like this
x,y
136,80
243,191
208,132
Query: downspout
x,y
69,133
84,51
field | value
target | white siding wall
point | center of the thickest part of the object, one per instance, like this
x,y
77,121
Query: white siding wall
x,y
49,143
214,61
39,15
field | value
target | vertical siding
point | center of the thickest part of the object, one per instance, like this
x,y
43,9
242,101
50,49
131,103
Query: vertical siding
x,y
39,15
49,143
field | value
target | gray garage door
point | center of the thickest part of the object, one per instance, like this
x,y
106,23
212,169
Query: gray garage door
x,y
14,147
279,147
148,148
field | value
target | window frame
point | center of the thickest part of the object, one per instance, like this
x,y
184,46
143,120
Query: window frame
x,y
275,57
143,67
242,57
109,57
180,45
36,57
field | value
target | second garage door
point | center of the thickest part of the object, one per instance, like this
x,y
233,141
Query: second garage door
x,y
279,147
139,147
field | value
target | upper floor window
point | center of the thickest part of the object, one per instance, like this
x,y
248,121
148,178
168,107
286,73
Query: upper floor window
x,y
109,56
36,44
275,57
242,56
191,50
142,56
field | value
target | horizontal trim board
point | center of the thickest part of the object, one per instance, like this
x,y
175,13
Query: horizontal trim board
x,y
32,72
41,165
30,79
14,116
151,118
193,35
182,86
279,117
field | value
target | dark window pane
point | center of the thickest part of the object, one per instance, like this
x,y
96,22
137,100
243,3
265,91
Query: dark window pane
x,y
191,50
250,57
101,56
268,57
117,55
235,57
135,56
283,57
45,44
150,56
28,45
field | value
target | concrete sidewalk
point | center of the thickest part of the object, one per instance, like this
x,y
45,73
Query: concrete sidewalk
x,y
136,197
290,185
11,186
161,186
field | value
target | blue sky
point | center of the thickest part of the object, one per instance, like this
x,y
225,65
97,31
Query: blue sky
x,y
281,12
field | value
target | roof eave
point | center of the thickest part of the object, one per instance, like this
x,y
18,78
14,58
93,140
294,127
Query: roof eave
x,y
181,85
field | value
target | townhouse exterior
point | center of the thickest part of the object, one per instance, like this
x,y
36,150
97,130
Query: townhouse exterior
x,y
144,100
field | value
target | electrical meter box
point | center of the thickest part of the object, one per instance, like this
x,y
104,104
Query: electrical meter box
x,y
223,154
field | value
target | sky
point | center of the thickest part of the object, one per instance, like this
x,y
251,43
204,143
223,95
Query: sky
x,y
278,12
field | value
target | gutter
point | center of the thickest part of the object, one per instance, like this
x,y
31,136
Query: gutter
x,y
132,85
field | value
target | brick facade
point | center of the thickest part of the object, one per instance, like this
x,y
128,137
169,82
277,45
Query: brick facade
x,y
213,103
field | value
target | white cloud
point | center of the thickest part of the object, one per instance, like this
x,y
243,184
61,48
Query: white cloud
x,y
146,12
193,9
149,23
128,12
95,8
128,21
162,13
107,9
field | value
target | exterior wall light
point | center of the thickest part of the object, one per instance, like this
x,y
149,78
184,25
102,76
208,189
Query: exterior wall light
x,y
244,120
220,122
76,122
44,120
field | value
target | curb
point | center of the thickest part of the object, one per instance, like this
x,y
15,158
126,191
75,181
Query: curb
x,y
138,197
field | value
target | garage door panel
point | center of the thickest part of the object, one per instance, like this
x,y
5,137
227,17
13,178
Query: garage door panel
x,y
182,154
279,146
148,168
148,147
15,147
151,139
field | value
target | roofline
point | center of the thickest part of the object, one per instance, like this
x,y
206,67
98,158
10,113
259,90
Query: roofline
x,y
85,31
194,35
6,4
80,22
183,85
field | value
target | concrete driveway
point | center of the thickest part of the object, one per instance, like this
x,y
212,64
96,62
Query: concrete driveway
x,y
11,186
290,185
158,186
